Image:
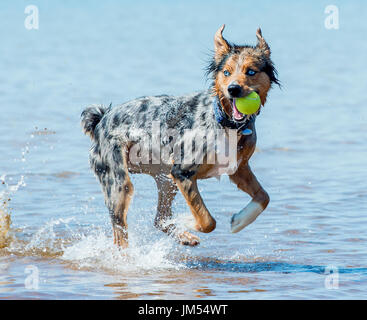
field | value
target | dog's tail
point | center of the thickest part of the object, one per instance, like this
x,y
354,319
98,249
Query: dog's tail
x,y
90,117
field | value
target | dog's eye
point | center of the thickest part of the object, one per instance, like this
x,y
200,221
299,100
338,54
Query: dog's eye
x,y
250,72
226,73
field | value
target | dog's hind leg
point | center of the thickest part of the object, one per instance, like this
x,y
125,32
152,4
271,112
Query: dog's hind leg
x,y
247,182
167,191
118,211
118,191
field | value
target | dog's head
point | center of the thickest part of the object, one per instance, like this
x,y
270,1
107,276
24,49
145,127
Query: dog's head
x,y
239,70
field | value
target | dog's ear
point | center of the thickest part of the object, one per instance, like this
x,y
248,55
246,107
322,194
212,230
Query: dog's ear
x,y
221,46
261,43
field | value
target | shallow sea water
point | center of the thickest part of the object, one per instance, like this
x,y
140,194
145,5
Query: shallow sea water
x,y
311,155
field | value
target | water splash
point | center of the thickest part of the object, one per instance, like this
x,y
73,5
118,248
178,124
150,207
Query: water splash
x,y
92,248
14,188
97,251
5,222
49,242
5,218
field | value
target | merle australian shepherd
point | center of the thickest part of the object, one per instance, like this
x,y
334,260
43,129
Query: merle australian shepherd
x,y
121,135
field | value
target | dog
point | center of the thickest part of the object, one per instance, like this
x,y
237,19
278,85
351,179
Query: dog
x,y
235,71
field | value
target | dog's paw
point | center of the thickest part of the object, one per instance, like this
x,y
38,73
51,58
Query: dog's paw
x,y
246,216
120,238
236,223
241,220
188,239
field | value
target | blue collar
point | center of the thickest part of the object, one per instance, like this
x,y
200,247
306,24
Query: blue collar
x,y
224,121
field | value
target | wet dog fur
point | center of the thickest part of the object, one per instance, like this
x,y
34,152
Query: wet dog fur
x,y
236,71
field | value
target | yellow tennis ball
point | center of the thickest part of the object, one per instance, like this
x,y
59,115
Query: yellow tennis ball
x,y
249,104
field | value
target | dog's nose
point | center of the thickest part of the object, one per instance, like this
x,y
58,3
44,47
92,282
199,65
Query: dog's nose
x,y
234,90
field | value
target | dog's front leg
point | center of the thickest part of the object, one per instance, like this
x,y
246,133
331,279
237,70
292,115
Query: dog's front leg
x,y
186,181
247,182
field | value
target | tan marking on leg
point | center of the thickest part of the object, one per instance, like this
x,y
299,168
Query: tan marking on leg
x,y
120,214
204,221
247,182
122,197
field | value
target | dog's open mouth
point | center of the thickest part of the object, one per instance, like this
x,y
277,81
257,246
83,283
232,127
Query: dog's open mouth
x,y
237,115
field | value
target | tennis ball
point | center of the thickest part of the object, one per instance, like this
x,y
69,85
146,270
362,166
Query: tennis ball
x,y
249,104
